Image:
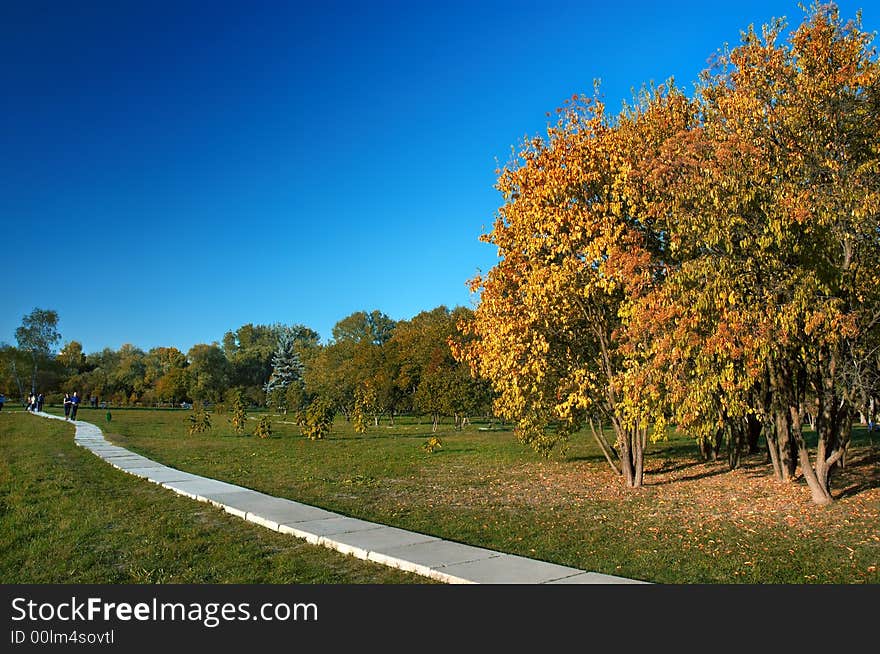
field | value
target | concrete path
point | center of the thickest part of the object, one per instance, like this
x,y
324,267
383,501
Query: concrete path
x,y
425,555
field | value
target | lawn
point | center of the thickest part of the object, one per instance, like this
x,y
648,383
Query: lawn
x,y
68,517
692,522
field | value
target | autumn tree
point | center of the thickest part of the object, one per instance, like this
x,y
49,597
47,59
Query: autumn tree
x,y
165,377
173,385
771,309
575,248
433,382
71,356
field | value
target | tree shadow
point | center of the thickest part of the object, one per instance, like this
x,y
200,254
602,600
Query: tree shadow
x,y
714,472
862,473
398,436
588,458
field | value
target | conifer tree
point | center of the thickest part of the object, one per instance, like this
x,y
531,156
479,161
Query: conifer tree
x,y
287,369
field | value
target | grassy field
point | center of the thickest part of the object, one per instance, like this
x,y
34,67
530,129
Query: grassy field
x,y
68,517
692,522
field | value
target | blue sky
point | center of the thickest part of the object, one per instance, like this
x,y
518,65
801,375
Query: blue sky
x,y
171,171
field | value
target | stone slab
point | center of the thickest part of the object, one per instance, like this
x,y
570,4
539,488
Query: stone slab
x,y
202,488
361,543
335,524
505,569
250,501
295,513
133,462
160,475
423,558
110,451
266,510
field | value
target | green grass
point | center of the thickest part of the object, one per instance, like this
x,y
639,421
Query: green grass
x,y
68,517
693,522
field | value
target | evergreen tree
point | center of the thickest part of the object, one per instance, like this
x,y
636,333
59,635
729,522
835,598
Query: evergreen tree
x,y
287,369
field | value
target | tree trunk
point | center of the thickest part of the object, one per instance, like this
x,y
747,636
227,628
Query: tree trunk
x,y
735,441
787,447
605,446
18,380
770,437
754,432
818,487
34,375
631,443
707,448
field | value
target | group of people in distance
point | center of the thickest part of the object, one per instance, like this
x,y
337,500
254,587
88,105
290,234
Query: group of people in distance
x,y
71,404
35,402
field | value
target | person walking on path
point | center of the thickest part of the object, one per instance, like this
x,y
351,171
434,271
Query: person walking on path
x,y
74,405
40,399
67,406
2,401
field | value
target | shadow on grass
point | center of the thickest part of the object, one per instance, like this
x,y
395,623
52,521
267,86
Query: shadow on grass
x,y
714,472
862,472
588,458
393,436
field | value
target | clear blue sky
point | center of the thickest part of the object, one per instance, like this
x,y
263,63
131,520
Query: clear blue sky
x,y
171,171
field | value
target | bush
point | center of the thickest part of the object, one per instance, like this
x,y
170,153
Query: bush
x,y
317,420
263,428
432,444
199,420
238,417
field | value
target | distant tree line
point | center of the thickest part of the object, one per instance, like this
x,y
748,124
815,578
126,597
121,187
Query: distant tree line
x,y
372,368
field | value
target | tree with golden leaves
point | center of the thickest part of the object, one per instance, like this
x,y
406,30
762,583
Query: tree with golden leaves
x,y
575,249
712,262
771,206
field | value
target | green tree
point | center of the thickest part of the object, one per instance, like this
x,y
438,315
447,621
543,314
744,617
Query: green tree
x,y
354,356
287,370
360,327
37,335
128,378
164,374
208,372
249,351
12,360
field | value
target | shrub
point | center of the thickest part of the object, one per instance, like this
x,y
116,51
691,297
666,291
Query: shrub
x,y
432,444
199,420
238,417
263,428
317,420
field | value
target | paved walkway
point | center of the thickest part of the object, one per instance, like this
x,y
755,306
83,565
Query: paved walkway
x,y
425,555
